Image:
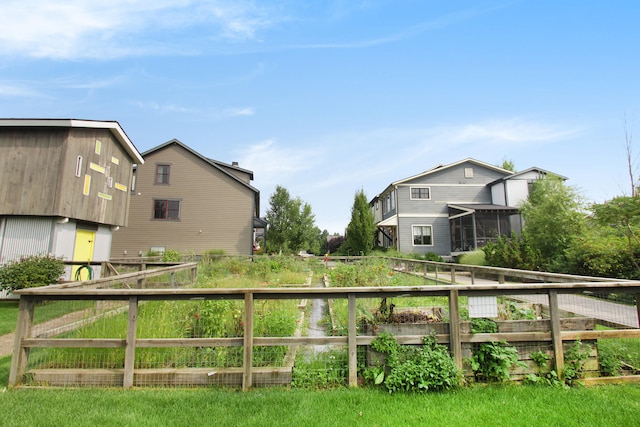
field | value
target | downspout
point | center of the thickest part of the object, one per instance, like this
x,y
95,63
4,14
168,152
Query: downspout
x,y
475,237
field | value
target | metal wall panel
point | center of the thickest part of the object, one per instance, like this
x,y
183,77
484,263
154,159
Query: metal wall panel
x,y
26,236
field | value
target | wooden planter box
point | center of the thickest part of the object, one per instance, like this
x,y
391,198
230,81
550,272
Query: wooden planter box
x,y
591,366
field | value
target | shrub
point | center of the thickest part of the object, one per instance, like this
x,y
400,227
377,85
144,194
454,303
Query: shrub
x,y
171,255
472,258
31,271
493,361
414,368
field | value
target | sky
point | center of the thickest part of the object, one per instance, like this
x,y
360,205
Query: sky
x,y
327,98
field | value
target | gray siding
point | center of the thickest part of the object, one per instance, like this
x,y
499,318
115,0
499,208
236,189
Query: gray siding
x,y
440,230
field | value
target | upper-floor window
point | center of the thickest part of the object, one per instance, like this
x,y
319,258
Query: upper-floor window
x,y
162,173
468,173
420,193
422,235
166,209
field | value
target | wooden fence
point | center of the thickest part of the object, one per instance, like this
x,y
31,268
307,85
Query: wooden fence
x,y
456,335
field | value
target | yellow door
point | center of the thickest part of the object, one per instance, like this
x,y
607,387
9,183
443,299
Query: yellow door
x,y
83,251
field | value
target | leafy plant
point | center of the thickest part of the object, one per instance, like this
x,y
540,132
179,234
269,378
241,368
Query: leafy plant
x,y
482,325
574,359
493,361
171,255
545,375
428,367
31,271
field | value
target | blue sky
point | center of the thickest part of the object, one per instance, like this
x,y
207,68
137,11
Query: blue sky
x,y
329,97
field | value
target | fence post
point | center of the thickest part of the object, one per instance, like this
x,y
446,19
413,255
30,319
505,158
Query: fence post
x,y
23,330
352,343
453,276
638,308
473,276
454,328
556,336
143,280
247,376
194,274
130,349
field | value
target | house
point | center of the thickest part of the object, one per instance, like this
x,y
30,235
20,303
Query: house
x,y
184,201
451,209
64,188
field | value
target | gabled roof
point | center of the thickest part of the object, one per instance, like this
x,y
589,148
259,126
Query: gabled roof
x,y
213,163
442,167
540,171
113,126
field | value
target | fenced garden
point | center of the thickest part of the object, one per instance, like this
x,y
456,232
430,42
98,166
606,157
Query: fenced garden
x,y
281,321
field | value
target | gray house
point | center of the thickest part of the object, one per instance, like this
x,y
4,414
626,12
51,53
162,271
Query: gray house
x,y
184,201
451,209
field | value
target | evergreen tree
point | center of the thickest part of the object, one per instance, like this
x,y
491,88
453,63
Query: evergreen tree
x,y
361,229
291,223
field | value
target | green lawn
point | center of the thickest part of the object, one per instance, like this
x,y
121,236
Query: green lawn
x,y
479,406
8,316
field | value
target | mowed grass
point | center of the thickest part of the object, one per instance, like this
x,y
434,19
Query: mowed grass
x,y
8,316
478,406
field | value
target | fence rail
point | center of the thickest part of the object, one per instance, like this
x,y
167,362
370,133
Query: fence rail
x,y
555,330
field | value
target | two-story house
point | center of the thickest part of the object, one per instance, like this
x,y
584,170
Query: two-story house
x,y
184,201
450,209
64,188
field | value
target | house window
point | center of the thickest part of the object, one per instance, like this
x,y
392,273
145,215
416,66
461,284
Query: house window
x,y
468,172
393,199
420,193
422,235
162,174
166,209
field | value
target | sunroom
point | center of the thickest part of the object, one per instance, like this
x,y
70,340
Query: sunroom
x,y
474,225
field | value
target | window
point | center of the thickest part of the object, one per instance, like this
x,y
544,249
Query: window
x,y
420,193
162,174
468,172
422,235
166,209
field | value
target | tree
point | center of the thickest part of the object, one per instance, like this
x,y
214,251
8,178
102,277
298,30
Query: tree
x,y
361,229
622,214
508,165
553,216
291,223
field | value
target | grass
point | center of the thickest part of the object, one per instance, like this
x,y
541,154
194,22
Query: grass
x,y
481,406
8,316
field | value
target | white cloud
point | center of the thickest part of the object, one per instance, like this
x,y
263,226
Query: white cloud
x,y
510,131
114,28
18,90
243,111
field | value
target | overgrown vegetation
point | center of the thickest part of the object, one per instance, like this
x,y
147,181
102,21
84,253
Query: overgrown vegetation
x,y
31,271
407,368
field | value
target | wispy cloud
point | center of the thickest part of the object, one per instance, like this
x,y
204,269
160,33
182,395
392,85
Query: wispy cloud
x,y
113,28
19,90
277,162
243,111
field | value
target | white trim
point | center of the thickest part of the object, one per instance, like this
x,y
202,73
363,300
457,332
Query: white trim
x,y
411,187
421,225
391,221
419,215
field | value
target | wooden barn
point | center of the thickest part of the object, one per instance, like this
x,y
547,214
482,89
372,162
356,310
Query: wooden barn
x,y
64,187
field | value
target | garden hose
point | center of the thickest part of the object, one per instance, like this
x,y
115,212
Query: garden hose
x,y
79,270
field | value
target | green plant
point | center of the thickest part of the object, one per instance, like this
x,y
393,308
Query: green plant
x,y
574,359
545,375
472,258
171,255
480,325
321,370
31,271
428,367
493,361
